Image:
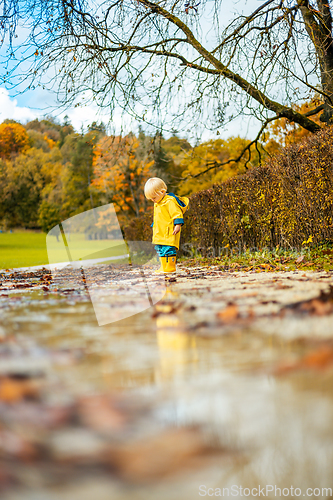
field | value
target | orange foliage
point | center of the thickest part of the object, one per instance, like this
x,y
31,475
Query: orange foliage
x,y
202,156
13,139
282,133
50,142
119,175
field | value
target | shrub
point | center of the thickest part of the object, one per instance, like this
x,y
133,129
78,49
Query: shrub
x,y
283,203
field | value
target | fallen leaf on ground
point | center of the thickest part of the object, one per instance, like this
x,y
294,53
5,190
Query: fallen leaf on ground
x,y
320,359
229,314
318,306
280,286
12,390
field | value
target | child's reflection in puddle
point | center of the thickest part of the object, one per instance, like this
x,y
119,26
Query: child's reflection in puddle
x,y
178,349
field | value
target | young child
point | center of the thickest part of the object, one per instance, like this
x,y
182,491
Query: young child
x,y
168,219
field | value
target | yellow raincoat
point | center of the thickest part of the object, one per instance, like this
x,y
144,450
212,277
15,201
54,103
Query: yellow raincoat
x,y
168,212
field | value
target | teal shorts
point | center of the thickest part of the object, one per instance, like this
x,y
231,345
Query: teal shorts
x,y
165,250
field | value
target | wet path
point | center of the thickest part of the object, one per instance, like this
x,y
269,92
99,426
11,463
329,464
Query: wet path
x,y
217,385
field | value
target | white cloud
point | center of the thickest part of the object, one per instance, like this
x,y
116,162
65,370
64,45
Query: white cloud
x,y
79,116
82,116
10,109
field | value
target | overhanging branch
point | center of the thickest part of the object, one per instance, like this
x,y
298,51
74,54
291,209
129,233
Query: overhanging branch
x,y
216,164
251,90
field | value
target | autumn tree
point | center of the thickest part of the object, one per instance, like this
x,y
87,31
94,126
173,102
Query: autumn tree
x,y
24,182
77,156
173,150
13,139
50,129
200,165
48,215
120,174
166,155
45,183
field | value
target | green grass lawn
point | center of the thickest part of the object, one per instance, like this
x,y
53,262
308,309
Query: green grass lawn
x,y
27,248
22,249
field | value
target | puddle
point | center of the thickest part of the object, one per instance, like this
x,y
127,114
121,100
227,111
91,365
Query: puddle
x,y
267,428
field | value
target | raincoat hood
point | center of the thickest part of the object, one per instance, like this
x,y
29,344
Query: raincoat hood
x,y
182,201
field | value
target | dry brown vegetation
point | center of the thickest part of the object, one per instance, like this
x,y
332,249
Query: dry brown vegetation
x,y
284,203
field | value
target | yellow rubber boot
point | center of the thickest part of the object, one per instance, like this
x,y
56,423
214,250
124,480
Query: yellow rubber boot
x,y
170,266
161,270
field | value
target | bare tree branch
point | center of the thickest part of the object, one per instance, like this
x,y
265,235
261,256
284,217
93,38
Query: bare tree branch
x,y
152,58
315,111
217,164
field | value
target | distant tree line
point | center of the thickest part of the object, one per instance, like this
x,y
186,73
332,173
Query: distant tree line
x,y
49,172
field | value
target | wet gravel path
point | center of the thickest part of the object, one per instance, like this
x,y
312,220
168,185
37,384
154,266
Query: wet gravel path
x,y
226,380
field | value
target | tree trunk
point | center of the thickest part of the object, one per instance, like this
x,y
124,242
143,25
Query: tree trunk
x,y
318,24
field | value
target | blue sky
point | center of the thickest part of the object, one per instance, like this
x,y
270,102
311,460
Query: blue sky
x,y
38,103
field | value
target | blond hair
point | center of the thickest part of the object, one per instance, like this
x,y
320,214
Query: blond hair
x,y
153,186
